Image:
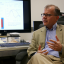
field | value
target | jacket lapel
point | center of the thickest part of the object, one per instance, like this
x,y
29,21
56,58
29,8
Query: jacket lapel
x,y
42,37
59,33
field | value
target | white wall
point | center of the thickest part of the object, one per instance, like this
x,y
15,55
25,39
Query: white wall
x,y
37,7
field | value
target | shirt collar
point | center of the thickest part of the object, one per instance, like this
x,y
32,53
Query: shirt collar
x,y
53,28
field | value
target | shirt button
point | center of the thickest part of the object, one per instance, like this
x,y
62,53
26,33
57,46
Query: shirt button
x,y
49,36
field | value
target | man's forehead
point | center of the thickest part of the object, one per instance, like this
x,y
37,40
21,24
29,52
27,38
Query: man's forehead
x,y
50,7
49,10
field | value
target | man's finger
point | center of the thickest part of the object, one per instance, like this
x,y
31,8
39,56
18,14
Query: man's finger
x,y
50,43
57,38
41,51
39,48
44,50
53,41
45,53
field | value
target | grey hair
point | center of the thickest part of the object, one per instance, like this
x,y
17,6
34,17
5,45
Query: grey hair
x,y
57,10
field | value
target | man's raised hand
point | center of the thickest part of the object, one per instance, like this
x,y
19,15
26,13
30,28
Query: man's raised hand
x,y
56,45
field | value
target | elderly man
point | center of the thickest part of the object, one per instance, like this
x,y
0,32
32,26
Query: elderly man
x,y
47,45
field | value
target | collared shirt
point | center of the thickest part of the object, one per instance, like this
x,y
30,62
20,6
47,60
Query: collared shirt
x,y
50,34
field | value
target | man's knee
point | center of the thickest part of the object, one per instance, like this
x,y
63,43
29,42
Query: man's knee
x,y
37,55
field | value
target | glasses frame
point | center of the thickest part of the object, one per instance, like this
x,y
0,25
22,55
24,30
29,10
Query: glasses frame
x,y
47,15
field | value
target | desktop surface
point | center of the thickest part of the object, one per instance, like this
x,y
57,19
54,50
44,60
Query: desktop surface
x,y
14,44
12,49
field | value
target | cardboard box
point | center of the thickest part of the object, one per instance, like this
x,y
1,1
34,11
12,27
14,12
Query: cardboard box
x,y
10,39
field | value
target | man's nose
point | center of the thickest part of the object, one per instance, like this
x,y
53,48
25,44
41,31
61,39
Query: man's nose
x,y
44,17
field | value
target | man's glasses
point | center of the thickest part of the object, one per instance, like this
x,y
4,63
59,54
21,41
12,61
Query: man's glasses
x,y
47,15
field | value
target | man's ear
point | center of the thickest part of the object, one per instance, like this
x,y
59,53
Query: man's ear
x,y
57,17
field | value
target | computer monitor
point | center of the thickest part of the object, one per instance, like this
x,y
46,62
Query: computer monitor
x,y
15,16
36,24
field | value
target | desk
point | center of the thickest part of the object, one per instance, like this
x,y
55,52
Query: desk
x,y
11,51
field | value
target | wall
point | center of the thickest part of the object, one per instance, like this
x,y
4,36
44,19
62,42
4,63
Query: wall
x,y
37,7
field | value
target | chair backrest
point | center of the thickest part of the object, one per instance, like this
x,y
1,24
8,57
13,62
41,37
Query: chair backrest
x,y
61,20
41,25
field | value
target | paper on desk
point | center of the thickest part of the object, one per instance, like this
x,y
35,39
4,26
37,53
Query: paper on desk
x,y
1,41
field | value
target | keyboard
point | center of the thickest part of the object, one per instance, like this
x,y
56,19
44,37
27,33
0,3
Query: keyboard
x,y
14,44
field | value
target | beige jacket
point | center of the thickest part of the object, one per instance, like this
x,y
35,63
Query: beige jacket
x,y
39,39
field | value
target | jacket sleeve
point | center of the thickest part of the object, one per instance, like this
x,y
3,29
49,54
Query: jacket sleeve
x,y
62,55
62,51
32,47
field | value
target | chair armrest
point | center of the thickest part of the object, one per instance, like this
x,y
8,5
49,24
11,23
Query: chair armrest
x,y
21,55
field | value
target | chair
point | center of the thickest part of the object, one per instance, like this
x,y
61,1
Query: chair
x,y
22,56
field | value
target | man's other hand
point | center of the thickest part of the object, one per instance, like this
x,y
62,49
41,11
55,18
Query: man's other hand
x,y
45,52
